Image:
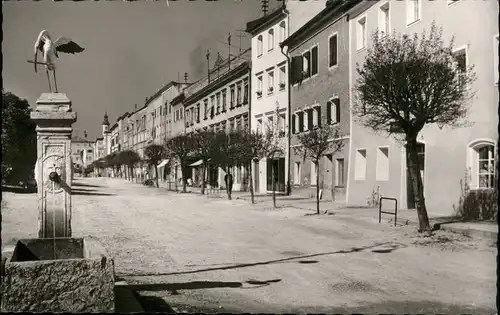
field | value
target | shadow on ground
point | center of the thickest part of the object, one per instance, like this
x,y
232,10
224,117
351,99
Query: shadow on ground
x,y
19,190
84,185
376,248
85,192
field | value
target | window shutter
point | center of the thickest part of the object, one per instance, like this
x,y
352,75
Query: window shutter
x,y
337,110
293,123
328,112
318,109
333,50
296,68
314,61
310,119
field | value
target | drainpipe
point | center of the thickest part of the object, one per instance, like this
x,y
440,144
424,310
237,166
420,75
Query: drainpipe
x,y
249,100
288,186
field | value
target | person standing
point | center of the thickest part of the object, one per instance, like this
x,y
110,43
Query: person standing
x,y
228,179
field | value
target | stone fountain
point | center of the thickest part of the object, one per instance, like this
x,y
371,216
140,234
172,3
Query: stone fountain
x,y
56,272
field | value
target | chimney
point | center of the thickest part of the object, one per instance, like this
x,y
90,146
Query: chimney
x,y
265,5
185,77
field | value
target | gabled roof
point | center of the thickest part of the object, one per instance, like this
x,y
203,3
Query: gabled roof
x,y
176,100
255,26
333,9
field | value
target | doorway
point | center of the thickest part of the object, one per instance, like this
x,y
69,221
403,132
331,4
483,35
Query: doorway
x,y
276,166
410,197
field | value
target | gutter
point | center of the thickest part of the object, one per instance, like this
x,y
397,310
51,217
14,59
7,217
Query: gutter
x,y
288,186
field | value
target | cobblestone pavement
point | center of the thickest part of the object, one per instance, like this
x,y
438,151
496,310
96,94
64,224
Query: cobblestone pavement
x,y
194,253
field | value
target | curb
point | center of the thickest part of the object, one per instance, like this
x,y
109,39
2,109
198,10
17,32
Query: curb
x,y
468,232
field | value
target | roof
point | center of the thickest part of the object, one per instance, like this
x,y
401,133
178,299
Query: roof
x,y
255,26
79,139
176,100
333,10
163,89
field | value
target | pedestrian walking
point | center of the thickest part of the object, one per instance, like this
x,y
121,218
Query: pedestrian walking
x,y
228,179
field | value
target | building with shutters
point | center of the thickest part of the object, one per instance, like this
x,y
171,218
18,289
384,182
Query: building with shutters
x,y
269,97
319,94
218,102
378,162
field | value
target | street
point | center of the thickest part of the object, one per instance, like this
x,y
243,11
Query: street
x,y
187,252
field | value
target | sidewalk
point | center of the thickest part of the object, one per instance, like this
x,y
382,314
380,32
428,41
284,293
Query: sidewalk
x,y
484,229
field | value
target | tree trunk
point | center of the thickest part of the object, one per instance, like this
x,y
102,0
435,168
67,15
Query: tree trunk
x,y
183,176
203,169
317,186
273,184
250,182
156,175
416,183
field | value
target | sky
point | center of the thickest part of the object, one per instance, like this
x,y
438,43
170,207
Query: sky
x,y
132,49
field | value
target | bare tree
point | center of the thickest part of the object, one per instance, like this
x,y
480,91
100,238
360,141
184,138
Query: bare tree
x,y
274,143
179,147
204,141
155,153
225,152
406,83
317,143
250,147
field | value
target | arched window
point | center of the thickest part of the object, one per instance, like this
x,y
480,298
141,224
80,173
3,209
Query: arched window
x,y
482,164
270,40
259,45
282,33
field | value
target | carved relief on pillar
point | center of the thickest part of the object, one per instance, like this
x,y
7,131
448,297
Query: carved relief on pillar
x,y
53,161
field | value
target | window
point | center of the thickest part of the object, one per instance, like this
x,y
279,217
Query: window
x,y
339,173
282,125
333,111
260,46
481,163
224,100
296,173
270,123
231,106
486,166
360,166
412,11
259,126
333,53
218,103
314,173
259,86
495,59
461,65
316,111
295,123
198,113
270,82
246,125
270,40
238,94
212,106
282,78
306,64
383,19
382,163
282,29
361,33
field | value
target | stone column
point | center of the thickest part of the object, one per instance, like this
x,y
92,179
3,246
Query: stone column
x,y
54,118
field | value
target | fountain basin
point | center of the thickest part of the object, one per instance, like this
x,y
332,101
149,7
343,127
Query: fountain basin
x,y
78,276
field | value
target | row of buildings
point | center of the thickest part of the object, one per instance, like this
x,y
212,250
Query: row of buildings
x,y
324,41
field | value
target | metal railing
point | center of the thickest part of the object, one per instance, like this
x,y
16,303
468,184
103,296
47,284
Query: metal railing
x,y
395,213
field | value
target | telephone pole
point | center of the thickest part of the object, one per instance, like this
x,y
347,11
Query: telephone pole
x,y
208,65
229,48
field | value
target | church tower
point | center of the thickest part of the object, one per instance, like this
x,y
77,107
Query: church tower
x,y
106,135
